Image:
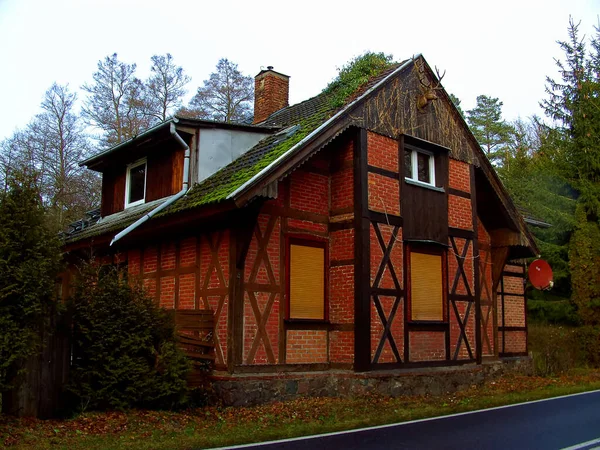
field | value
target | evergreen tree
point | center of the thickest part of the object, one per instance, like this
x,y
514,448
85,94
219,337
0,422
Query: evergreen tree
x,y
125,352
456,101
529,173
29,263
490,130
574,104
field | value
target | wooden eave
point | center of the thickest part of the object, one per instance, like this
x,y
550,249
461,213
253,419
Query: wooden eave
x,y
160,134
161,224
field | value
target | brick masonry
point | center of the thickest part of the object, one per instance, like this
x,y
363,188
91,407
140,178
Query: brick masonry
x,y
511,310
271,93
190,273
306,346
193,272
488,300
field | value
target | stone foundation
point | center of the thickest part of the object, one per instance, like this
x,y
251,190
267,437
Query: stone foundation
x,y
254,389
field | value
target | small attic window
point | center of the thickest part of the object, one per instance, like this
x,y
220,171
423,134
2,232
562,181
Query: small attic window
x,y
419,165
135,185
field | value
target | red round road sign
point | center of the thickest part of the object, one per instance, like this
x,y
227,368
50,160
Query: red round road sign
x,y
540,274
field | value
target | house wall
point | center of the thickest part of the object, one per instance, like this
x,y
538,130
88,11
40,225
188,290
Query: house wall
x,y
399,214
163,178
512,318
188,273
318,202
314,203
489,325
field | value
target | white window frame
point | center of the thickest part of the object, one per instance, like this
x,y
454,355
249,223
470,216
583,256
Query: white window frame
x,y
138,163
415,170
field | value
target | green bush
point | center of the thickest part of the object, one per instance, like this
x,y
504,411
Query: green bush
x,y
125,351
30,259
557,349
554,312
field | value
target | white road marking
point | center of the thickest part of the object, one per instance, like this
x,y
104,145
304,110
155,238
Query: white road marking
x,y
584,445
379,427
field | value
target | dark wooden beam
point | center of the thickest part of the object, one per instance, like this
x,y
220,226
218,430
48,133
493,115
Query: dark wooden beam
x,y
240,239
499,256
362,310
476,269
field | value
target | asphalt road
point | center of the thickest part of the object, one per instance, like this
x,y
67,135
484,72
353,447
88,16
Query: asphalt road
x,y
570,421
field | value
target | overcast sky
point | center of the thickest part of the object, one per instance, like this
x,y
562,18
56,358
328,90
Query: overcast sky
x,y
502,50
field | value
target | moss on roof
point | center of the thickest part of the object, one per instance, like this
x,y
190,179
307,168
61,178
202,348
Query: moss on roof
x,y
295,122
307,116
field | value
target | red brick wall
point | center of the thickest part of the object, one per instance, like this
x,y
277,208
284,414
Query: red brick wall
x,y
396,256
460,214
468,267
427,346
488,299
306,347
459,176
341,346
262,296
319,192
384,194
397,330
177,278
515,341
512,290
324,187
309,192
271,92
382,152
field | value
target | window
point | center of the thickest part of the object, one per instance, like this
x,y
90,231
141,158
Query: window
x,y
306,279
426,280
419,165
135,185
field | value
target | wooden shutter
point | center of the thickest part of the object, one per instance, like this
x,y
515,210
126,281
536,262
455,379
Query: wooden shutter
x,y
307,282
426,287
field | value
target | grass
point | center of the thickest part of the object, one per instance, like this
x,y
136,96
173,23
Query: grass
x,y
214,426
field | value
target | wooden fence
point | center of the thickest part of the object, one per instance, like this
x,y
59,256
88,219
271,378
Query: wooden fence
x,y
196,328
41,388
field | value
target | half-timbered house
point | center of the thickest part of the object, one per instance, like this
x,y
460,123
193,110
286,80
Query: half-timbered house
x,y
365,234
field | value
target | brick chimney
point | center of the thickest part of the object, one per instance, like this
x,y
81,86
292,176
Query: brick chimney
x,y
271,93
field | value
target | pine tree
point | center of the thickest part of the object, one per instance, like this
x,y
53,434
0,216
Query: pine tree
x,y
29,263
490,130
574,104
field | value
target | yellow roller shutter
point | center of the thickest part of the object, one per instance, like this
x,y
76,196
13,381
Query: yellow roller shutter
x,y
307,282
426,287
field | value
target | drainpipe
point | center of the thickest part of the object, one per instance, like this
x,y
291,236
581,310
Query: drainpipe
x,y
184,188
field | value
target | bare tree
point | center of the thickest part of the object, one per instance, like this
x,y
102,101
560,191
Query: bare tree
x,y
226,96
48,150
165,87
71,189
115,101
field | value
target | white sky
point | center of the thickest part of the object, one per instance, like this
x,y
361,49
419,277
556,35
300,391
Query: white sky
x,y
501,49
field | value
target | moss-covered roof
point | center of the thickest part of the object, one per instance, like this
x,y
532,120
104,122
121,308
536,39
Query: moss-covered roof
x,y
296,122
114,222
304,117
